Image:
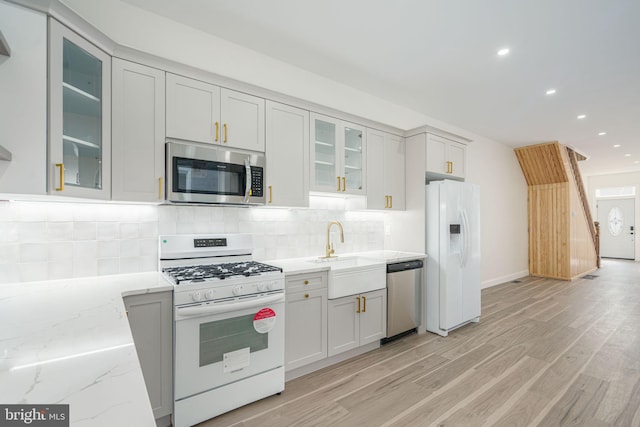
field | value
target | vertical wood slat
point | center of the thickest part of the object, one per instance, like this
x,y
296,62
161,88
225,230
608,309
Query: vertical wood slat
x,y
560,245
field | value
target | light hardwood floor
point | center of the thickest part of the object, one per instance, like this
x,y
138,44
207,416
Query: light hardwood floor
x,y
545,352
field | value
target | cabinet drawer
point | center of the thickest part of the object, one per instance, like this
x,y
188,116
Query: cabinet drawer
x,y
303,282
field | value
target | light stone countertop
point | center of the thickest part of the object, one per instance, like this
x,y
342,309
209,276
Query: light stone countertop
x,y
69,342
307,265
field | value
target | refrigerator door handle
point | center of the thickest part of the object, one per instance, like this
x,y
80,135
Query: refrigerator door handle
x,y
465,239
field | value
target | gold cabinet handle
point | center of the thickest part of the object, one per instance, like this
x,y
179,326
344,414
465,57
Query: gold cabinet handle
x,y
358,310
61,166
364,300
217,130
386,202
225,132
449,167
390,202
338,183
270,194
344,184
306,295
160,188
306,282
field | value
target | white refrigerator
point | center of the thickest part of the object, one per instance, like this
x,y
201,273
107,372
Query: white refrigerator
x,y
453,249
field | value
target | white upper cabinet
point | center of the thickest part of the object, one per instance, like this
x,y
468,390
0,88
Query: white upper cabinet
x,y
385,166
338,156
79,116
138,131
445,156
23,101
242,118
202,112
287,152
193,109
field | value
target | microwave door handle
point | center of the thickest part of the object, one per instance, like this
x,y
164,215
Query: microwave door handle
x,y
247,184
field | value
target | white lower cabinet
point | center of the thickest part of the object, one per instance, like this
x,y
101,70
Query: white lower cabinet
x,y
151,321
357,320
306,319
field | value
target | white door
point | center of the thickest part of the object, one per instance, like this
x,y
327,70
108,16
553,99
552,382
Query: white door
x,y
242,118
617,228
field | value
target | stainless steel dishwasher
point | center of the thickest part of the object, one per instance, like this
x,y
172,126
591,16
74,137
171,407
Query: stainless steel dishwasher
x,y
404,284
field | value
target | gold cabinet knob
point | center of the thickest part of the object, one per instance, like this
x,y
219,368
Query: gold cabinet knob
x,y
306,282
306,295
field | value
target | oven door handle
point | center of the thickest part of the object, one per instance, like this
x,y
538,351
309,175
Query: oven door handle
x,y
247,185
200,310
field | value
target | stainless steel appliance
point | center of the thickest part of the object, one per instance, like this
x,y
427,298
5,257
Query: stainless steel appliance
x,y
228,324
202,173
404,284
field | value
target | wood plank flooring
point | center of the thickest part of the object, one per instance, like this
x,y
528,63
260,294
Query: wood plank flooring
x,y
545,352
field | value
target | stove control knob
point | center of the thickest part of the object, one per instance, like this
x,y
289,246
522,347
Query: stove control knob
x,y
196,296
209,294
237,290
270,286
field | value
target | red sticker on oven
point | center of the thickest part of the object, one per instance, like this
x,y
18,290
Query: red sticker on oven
x,y
264,320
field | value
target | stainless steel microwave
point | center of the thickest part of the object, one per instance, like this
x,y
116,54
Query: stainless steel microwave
x,y
201,173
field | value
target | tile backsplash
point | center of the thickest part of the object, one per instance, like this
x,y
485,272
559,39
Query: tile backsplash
x,y
57,240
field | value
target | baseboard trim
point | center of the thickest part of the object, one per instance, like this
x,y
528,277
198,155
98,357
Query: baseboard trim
x,y
502,279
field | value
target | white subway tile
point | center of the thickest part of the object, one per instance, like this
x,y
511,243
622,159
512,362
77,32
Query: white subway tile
x,y
59,231
149,230
149,247
60,270
108,249
29,232
9,272
9,252
60,251
108,266
129,248
33,252
84,251
85,267
84,231
108,230
30,271
129,230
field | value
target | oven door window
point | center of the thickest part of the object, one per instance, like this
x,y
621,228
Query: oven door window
x,y
227,335
208,177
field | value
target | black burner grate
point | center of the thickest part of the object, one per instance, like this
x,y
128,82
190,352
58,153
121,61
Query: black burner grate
x,y
200,273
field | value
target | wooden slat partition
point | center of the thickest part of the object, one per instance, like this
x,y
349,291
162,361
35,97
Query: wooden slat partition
x,y
542,163
560,238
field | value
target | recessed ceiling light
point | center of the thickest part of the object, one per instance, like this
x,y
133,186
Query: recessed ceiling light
x,y
551,92
616,146
602,133
582,116
504,51
627,155
636,161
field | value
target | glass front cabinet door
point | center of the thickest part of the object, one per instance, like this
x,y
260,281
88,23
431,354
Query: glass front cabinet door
x,y
79,116
337,156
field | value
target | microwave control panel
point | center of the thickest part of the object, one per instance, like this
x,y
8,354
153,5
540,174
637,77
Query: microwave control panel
x,y
257,178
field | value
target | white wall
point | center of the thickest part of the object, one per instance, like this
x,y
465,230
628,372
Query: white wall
x,y
503,210
629,179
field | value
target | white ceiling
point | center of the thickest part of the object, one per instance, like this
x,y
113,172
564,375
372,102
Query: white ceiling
x,y
438,57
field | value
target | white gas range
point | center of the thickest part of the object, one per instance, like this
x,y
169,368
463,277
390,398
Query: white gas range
x,y
228,324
